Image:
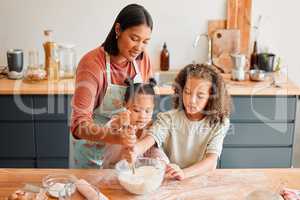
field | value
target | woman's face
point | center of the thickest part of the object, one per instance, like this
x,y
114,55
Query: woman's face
x,y
133,41
141,110
195,95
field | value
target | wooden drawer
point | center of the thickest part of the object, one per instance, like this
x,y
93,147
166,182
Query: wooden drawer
x,y
256,157
260,134
264,108
52,107
15,108
52,139
17,140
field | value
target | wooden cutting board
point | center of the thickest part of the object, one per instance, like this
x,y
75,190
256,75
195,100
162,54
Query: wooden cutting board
x,y
239,17
214,25
224,43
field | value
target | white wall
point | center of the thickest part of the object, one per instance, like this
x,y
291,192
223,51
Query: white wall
x,y
86,23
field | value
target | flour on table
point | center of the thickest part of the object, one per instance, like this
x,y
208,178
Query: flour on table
x,y
262,195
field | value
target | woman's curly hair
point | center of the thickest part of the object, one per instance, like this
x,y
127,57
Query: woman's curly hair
x,y
219,103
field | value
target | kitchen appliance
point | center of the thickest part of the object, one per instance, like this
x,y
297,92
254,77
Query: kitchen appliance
x,y
15,63
239,63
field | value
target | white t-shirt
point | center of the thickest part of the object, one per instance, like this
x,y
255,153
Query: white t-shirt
x,y
184,141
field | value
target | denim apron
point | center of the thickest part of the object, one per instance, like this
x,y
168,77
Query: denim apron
x,y
89,154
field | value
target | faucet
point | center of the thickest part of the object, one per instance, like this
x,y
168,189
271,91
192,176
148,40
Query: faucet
x,y
196,42
209,54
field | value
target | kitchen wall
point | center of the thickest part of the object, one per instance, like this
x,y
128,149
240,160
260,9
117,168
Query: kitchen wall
x,y
86,23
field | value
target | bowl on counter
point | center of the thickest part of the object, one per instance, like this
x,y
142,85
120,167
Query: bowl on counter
x,y
257,75
148,176
59,185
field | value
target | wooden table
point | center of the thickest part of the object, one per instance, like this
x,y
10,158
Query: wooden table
x,y
222,184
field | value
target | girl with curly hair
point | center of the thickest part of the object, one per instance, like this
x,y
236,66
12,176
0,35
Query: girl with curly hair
x,y
192,133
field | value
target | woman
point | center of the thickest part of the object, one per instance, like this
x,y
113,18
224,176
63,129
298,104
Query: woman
x,y
100,85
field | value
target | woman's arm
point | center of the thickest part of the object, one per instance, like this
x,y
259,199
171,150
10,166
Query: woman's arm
x,y
89,87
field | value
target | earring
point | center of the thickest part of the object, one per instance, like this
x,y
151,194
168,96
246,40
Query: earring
x,y
117,36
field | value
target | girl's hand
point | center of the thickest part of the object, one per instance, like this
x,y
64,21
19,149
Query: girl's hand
x,y
173,171
124,118
129,154
128,136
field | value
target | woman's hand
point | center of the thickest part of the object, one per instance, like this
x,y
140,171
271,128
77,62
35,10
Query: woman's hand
x,y
173,171
128,136
121,120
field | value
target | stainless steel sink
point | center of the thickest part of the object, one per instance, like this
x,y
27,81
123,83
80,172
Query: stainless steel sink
x,y
165,78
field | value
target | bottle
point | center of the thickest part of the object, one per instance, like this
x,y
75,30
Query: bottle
x,y
164,58
253,58
51,57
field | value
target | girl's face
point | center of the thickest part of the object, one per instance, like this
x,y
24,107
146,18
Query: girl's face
x,y
141,110
195,95
133,41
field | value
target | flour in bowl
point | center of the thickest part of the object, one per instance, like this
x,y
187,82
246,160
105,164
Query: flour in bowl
x,y
145,179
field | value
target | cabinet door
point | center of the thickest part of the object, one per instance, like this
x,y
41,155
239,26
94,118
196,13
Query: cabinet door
x,y
53,163
256,157
52,139
163,103
17,163
260,134
264,108
15,108
17,140
52,107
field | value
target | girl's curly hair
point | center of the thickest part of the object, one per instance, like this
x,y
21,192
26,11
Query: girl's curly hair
x,y
219,103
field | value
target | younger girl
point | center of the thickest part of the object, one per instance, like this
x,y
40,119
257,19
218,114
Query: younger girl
x,y
192,134
139,102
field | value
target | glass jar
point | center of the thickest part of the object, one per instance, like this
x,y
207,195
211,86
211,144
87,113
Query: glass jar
x,y
33,58
34,72
67,58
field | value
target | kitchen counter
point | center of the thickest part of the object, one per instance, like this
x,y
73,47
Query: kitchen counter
x,y
11,87
226,184
67,86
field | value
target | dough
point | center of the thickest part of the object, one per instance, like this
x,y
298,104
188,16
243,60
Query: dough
x,y
263,195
